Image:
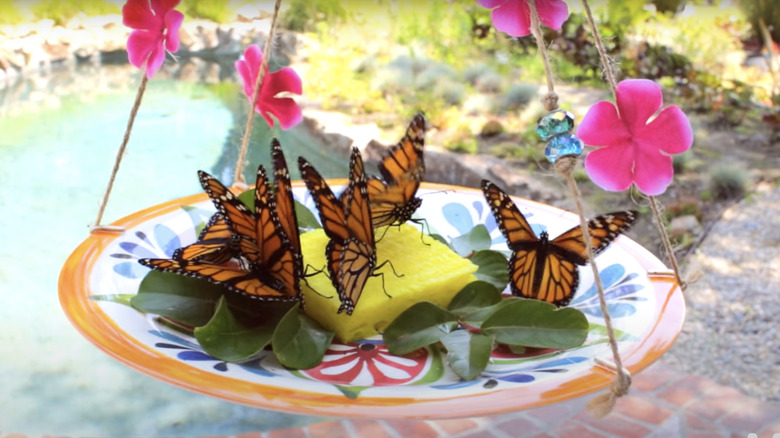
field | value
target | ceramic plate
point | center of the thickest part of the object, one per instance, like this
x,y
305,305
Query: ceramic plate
x,y
363,379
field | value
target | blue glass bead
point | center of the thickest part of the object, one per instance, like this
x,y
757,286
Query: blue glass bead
x,y
563,145
555,123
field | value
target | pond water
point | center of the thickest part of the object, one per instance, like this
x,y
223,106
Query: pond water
x,y
58,140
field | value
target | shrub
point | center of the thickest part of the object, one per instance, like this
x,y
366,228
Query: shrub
x,y
728,181
303,15
9,14
767,10
214,10
518,96
62,11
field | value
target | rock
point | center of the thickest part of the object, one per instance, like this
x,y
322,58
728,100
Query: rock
x,y
682,225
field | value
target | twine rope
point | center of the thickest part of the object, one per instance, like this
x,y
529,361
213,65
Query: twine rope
x,y
603,404
125,139
654,205
238,177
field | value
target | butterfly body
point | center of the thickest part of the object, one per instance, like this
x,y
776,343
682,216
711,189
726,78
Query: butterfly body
x,y
544,268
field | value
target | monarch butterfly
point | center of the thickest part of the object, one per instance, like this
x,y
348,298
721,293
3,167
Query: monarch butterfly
x,y
546,269
212,246
268,266
393,200
351,251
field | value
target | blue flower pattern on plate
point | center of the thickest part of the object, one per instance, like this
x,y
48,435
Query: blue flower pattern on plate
x,y
162,244
620,291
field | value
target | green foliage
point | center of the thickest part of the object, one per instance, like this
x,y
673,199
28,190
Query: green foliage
x,y
62,11
766,10
10,14
518,96
214,10
486,319
727,181
304,15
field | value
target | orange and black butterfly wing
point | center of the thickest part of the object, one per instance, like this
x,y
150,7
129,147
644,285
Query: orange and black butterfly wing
x,y
275,252
603,230
331,210
245,282
237,215
511,222
214,244
393,200
285,204
358,252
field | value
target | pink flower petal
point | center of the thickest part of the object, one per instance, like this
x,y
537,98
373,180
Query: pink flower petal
x,y
285,109
552,13
601,126
638,100
611,168
653,172
670,132
162,7
136,14
513,18
173,20
245,74
155,61
490,4
140,44
284,80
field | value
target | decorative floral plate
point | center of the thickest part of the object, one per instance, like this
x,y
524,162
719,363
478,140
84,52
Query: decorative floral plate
x,y
363,379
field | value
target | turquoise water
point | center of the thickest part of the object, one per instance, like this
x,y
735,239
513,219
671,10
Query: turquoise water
x,y
57,147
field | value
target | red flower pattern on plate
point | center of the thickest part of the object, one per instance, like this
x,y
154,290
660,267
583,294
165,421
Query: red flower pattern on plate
x,y
368,364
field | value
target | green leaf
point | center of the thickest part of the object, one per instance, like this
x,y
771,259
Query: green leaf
x,y
185,299
441,239
476,239
351,392
114,298
474,296
248,198
491,267
225,338
534,323
306,218
468,353
422,324
299,342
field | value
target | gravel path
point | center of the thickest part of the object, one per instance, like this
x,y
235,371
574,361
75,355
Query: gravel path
x,y
731,332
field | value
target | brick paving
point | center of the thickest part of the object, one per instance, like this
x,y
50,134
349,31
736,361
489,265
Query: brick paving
x,y
663,402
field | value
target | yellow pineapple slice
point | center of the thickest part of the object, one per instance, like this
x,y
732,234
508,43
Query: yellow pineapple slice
x,y
431,272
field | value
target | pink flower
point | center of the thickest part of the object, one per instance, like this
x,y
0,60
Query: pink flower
x,y
368,364
157,30
514,16
637,140
282,81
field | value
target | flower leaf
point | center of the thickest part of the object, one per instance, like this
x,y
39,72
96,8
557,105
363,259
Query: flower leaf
x,y
534,323
114,298
422,324
306,218
474,296
226,338
299,342
476,239
492,268
468,353
185,299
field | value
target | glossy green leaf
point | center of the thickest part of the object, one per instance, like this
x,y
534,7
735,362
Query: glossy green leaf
x,y
306,219
418,326
468,353
123,299
492,268
299,342
474,296
248,198
189,300
225,338
475,240
534,323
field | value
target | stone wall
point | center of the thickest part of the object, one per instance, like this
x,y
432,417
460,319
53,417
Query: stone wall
x,y
37,48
